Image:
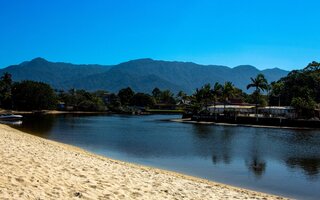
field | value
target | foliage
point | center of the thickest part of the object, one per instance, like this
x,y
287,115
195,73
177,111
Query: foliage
x,y
260,83
31,95
82,100
5,91
163,97
206,96
156,92
142,100
305,107
167,97
227,92
114,102
125,96
300,88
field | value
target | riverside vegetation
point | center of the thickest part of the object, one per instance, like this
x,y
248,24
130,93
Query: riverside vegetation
x,y
300,89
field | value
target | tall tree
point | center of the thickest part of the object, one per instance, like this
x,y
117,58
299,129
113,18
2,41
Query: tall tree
x,y
216,94
125,96
207,94
276,92
227,92
5,91
156,92
167,97
260,83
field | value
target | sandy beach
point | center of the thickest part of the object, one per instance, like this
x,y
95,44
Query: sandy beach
x,y
36,168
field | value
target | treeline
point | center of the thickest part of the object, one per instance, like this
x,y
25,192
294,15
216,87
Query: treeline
x,y
32,95
300,89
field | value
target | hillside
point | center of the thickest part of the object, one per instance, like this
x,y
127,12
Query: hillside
x,y
142,75
54,73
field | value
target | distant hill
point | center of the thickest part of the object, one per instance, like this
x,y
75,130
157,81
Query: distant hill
x,y
54,73
142,75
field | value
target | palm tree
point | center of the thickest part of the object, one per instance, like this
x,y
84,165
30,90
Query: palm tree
x,y
227,93
260,83
202,96
207,94
216,93
167,97
276,90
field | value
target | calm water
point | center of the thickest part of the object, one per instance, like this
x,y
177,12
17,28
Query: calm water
x,y
285,162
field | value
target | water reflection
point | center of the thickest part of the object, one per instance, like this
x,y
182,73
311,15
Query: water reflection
x,y
267,159
310,166
222,149
257,166
38,125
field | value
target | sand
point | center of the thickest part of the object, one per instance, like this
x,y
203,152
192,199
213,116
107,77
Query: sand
x,y
36,168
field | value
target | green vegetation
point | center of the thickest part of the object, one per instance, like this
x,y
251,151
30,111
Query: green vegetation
x,y
260,83
81,100
300,89
142,100
31,95
5,91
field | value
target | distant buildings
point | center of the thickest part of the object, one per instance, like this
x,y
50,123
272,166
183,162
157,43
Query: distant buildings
x,y
249,110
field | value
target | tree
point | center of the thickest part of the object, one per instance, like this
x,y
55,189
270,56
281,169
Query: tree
x,y
216,94
142,100
304,107
125,96
196,101
201,98
31,95
276,91
5,91
156,92
260,83
206,95
300,88
227,92
167,97
312,67
114,102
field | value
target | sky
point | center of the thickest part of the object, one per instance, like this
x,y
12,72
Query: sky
x,y
262,33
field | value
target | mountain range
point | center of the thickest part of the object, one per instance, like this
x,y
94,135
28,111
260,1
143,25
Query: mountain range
x,y
142,75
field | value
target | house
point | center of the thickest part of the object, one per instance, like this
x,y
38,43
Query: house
x,y
238,109
278,111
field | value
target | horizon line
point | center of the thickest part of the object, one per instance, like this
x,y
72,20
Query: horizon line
x,y
148,58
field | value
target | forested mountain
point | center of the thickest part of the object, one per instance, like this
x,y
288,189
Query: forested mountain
x,y
141,75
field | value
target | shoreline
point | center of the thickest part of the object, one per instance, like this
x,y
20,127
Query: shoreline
x,y
33,167
189,121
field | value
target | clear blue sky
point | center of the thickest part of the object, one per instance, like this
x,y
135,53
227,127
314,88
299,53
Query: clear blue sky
x,y
263,33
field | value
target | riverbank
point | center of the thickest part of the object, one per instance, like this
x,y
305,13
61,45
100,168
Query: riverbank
x,y
190,121
52,112
57,112
260,121
36,168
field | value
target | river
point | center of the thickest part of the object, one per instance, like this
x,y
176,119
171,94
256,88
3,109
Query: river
x,y
278,161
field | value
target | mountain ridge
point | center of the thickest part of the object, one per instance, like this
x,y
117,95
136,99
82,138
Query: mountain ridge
x,y
140,74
